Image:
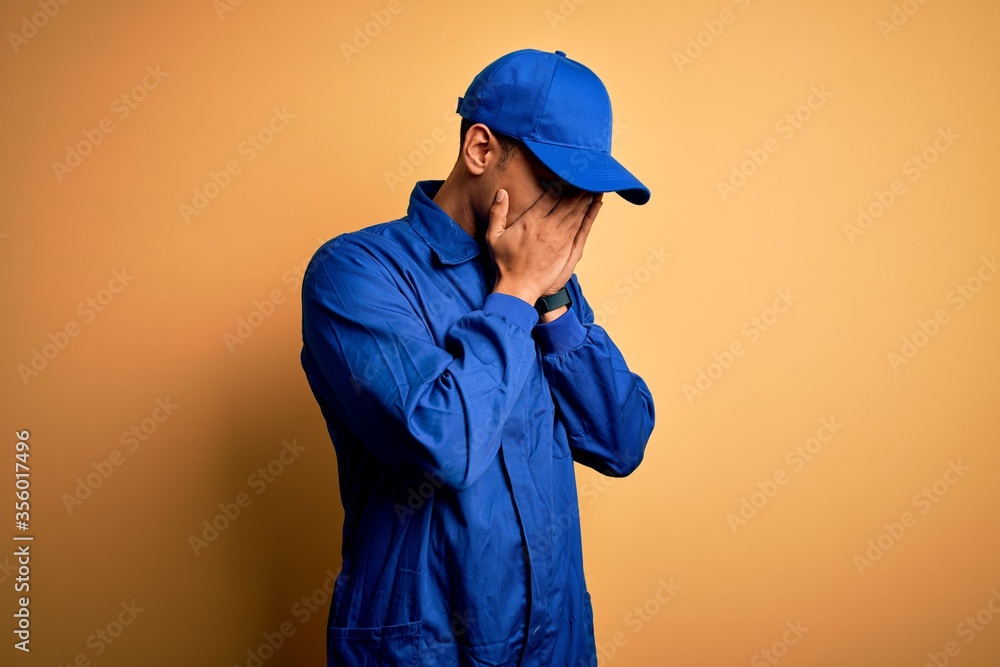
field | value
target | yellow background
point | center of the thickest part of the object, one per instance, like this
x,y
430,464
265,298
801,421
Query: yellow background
x,y
682,129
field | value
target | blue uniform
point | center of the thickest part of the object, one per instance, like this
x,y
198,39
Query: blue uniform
x,y
456,418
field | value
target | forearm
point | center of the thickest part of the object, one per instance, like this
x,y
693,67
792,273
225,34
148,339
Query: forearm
x,y
418,406
606,409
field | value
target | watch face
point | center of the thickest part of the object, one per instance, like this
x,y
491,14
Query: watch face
x,y
553,301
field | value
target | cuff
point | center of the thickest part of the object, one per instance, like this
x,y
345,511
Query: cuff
x,y
561,334
511,308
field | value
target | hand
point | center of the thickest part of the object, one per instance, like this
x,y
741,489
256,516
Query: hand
x,y
536,254
576,253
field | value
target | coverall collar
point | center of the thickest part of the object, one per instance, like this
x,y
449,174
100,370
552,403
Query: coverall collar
x,y
450,243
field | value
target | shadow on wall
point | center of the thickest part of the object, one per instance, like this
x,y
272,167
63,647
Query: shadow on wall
x,y
280,467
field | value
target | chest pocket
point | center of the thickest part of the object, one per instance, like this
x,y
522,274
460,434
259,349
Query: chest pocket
x,y
386,646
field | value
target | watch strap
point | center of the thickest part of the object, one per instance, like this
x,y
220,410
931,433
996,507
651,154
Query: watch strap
x,y
549,303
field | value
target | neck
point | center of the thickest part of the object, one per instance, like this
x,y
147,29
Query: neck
x,y
454,200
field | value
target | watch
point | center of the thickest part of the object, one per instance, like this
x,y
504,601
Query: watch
x,y
549,303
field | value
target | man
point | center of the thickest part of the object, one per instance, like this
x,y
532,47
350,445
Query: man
x,y
457,365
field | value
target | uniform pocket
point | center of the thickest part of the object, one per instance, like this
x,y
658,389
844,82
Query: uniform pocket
x,y
588,641
388,646
588,614
560,445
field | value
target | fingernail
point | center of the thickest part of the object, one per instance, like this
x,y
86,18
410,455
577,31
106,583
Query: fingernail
x,y
500,195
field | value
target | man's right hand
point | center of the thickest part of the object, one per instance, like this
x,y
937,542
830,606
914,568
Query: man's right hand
x,y
535,255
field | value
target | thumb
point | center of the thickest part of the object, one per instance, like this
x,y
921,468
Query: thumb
x,y
498,216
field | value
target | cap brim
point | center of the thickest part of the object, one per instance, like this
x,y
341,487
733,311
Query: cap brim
x,y
590,170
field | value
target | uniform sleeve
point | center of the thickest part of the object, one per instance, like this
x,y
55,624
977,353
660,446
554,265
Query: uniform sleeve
x,y
419,407
606,410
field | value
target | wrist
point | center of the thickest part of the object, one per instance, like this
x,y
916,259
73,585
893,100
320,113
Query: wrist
x,y
554,314
555,303
520,290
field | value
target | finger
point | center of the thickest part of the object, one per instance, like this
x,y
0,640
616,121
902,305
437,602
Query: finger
x,y
573,211
547,201
588,221
580,240
498,215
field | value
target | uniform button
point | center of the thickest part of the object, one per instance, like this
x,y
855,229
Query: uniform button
x,y
561,53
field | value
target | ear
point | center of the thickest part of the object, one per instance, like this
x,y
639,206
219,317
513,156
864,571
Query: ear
x,y
480,149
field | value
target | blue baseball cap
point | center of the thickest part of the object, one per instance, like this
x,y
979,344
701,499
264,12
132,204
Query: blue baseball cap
x,y
560,110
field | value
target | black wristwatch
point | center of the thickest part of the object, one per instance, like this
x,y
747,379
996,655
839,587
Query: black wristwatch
x,y
549,303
